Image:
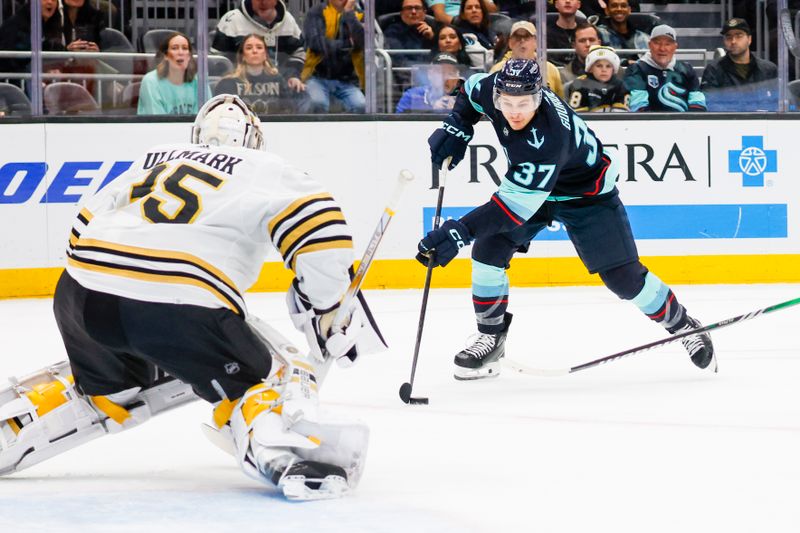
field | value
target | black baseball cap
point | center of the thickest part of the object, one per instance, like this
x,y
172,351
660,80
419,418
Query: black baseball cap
x,y
444,57
735,24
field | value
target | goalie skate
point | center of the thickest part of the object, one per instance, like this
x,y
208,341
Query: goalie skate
x,y
311,480
277,436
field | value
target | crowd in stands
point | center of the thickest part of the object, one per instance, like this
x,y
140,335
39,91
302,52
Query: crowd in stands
x,y
313,62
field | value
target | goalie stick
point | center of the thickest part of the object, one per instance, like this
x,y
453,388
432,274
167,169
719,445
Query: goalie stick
x,y
405,177
788,32
520,368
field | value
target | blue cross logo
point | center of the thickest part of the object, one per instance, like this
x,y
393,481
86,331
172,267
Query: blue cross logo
x,y
752,161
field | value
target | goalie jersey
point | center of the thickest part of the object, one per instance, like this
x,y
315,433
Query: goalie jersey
x,y
192,224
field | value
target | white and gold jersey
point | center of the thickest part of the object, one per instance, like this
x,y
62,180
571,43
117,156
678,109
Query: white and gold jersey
x,y
192,224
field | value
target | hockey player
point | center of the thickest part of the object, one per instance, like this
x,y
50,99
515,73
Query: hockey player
x,y
599,90
151,311
557,171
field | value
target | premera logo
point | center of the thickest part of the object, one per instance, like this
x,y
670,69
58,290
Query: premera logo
x,y
752,161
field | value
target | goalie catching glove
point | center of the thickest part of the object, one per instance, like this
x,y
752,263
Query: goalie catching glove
x,y
358,335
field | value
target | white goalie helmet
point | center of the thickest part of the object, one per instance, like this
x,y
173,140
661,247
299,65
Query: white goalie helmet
x,y
225,120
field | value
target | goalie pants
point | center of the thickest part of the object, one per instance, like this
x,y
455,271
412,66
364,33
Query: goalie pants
x,y
601,233
116,343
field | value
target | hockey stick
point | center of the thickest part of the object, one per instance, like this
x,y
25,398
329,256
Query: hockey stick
x,y
552,372
343,312
406,388
405,177
266,332
788,32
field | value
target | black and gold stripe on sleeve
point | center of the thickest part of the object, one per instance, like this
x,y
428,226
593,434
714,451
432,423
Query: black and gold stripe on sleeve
x,y
84,217
309,224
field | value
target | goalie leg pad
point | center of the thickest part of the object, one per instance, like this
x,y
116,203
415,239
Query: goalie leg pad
x,y
43,414
278,437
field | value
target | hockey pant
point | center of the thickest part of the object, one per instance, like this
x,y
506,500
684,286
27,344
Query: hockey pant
x,y
602,237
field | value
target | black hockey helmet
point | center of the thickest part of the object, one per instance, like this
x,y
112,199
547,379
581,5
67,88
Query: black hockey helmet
x,y
519,77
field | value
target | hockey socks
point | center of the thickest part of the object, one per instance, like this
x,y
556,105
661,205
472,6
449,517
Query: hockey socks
x,y
489,296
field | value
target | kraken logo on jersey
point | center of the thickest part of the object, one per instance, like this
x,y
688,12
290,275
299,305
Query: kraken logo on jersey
x,y
225,120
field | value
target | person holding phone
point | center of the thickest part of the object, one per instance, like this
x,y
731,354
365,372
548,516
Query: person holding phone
x,y
82,25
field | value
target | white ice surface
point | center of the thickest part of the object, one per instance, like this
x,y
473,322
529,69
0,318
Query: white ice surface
x,y
645,444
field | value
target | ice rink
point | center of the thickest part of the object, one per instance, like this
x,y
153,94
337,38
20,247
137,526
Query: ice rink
x,y
645,444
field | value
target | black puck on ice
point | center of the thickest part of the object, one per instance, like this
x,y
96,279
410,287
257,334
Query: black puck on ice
x,y
405,395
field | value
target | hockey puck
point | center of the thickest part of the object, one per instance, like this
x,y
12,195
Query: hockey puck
x,y
405,395
405,392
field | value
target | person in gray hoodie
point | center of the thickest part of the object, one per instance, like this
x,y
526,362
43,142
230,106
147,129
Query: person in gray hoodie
x,y
272,20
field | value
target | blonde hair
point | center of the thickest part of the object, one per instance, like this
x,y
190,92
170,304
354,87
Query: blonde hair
x,y
240,72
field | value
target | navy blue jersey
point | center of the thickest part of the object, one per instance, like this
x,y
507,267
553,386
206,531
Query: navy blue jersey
x,y
653,88
555,157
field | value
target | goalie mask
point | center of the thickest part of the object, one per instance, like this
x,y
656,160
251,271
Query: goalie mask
x,y
225,120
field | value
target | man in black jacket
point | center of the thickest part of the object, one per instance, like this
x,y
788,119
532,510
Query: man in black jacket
x,y
410,32
739,68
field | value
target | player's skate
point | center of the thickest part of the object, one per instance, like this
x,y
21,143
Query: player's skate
x,y
278,437
700,347
482,358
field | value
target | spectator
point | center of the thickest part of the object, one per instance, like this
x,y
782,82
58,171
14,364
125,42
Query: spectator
x,y
599,90
257,81
616,30
82,25
411,32
271,20
522,45
446,11
473,20
440,85
586,36
335,56
597,8
15,35
561,31
171,88
449,39
659,82
725,78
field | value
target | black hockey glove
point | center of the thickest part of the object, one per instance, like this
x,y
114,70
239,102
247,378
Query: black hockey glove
x,y
450,140
442,245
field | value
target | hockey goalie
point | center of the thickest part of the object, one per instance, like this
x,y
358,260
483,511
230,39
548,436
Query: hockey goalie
x,y
151,312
